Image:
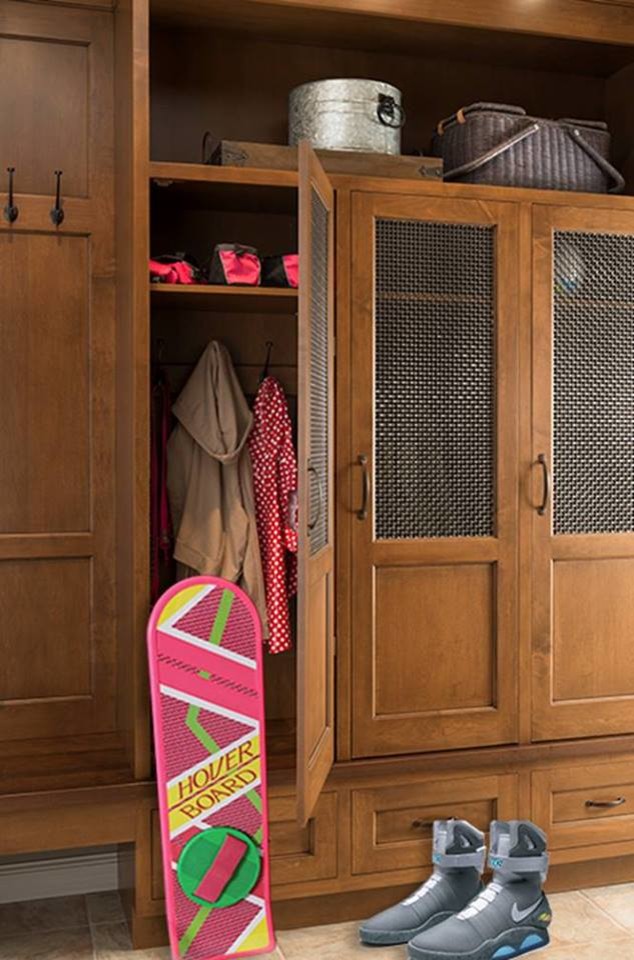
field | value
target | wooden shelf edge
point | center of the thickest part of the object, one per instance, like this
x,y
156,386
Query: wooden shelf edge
x,y
204,173
206,289
242,299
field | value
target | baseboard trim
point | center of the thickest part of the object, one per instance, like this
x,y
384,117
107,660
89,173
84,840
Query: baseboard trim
x,y
59,876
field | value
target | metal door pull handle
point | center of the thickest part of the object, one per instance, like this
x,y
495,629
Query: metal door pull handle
x,y
606,803
541,460
362,513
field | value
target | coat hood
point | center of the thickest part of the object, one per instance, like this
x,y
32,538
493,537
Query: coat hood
x,y
212,407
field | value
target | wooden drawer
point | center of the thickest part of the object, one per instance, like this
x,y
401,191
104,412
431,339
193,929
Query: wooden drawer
x,y
584,805
392,825
301,854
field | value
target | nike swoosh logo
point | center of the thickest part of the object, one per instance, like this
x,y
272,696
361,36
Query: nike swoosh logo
x,y
519,915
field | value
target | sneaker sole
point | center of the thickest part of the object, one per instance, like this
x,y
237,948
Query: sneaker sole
x,y
510,944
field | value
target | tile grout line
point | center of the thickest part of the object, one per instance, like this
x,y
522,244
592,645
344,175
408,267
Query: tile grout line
x,y
605,913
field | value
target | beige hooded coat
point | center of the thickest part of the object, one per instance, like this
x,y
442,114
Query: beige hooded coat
x,y
209,479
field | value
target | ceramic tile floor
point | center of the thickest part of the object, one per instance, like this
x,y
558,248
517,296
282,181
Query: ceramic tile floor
x,y
588,925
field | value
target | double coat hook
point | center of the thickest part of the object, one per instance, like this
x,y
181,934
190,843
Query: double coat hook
x,y
11,211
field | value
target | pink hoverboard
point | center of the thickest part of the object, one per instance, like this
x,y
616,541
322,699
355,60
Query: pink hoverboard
x,y
205,653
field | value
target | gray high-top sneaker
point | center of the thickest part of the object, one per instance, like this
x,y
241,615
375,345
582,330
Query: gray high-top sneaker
x,y
511,916
458,856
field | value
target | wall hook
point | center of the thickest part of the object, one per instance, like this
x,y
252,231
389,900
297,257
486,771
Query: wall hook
x,y
265,369
57,213
11,211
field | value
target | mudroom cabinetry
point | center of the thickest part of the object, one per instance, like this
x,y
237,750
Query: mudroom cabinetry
x,y
458,366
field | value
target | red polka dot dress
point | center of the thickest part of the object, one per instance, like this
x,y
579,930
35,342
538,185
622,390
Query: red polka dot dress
x,y
275,487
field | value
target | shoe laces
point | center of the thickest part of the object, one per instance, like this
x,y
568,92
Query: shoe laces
x,y
481,902
429,884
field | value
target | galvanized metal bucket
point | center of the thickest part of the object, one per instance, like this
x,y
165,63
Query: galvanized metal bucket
x,y
363,115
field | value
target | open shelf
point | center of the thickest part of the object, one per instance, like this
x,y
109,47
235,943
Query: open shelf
x,y
210,297
226,188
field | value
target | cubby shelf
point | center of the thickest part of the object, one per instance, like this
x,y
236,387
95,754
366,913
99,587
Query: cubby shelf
x,y
226,188
211,297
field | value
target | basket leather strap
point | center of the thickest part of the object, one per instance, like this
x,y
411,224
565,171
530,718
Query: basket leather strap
x,y
618,182
494,152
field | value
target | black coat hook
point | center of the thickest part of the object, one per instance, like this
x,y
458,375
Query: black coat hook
x,y
57,213
265,370
11,211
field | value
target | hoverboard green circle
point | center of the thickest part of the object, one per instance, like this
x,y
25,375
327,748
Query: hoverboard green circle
x,y
198,855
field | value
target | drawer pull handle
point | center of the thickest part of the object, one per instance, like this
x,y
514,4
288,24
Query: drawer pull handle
x,y
420,824
606,803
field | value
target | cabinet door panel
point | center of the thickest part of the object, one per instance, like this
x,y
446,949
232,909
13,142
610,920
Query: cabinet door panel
x,y
583,539
44,382
57,458
315,645
434,549
52,65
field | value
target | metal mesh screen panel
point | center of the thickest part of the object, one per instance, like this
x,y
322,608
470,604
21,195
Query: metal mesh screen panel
x,y
593,435
319,412
434,380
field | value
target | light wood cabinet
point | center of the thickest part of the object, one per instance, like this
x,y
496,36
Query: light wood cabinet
x,y
586,806
583,453
433,434
392,824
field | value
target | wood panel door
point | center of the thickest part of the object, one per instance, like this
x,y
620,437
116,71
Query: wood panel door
x,y
56,376
434,415
583,492
315,634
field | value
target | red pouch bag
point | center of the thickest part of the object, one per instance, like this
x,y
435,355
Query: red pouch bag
x,y
174,268
281,271
233,263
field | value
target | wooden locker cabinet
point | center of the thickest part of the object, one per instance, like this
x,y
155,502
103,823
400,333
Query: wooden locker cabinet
x,y
297,208
434,591
583,528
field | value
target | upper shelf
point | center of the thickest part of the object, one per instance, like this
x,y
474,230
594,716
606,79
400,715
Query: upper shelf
x,y
575,36
211,297
225,188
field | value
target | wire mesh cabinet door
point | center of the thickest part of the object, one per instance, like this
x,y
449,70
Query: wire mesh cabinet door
x,y
583,473
315,645
434,413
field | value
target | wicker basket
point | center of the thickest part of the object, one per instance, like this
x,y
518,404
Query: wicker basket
x,y
499,144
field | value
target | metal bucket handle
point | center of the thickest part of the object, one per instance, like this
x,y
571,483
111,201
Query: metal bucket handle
x,y
389,112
